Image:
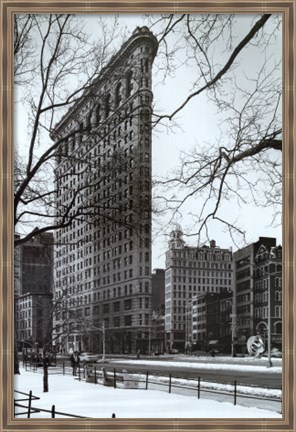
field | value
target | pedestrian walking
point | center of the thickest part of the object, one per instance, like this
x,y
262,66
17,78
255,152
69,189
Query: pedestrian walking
x,y
74,359
138,354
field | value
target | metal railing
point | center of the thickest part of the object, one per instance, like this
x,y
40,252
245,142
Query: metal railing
x,y
29,409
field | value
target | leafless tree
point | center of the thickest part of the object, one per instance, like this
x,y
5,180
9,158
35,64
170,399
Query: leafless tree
x,y
245,163
59,72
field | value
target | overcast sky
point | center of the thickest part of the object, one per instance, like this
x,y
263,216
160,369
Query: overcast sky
x,y
199,123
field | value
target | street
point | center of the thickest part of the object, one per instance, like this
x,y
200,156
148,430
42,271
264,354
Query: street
x,y
253,378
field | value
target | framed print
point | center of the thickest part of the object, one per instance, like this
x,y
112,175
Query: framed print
x,y
147,215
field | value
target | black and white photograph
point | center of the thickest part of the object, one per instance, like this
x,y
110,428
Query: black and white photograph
x,y
148,216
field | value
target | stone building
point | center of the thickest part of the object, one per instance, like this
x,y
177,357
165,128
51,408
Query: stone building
x,y
243,297
158,312
17,269
103,258
198,321
218,320
34,321
36,261
268,281
158,288
191,271
211,321
33,304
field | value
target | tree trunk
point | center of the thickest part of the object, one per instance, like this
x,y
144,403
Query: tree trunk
x,y
45,377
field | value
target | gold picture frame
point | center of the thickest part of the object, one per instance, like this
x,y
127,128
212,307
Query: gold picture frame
x,y
9,7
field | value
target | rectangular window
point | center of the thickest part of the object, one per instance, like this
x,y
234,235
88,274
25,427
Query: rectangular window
x,y
116,306
116,321
128,320
127,304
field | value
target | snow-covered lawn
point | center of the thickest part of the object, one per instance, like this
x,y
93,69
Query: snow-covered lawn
x,y
81,398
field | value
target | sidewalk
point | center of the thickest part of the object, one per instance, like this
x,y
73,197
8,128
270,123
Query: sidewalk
x,y
183,358
263,361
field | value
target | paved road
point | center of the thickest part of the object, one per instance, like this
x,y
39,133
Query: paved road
x,y
268,380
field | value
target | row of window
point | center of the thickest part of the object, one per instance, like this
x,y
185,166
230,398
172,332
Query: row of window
x,y
202,255
197,264
211,276
264,283
101,112
97,270
62,296
262,312
23,314
263,297
25,305
23,324
25,335
199,326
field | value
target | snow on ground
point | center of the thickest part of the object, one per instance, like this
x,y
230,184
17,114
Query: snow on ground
x,y
216,366
90,400
191,383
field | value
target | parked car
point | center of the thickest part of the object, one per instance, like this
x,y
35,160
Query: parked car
x,y
174,351
213,347
88,357
200,353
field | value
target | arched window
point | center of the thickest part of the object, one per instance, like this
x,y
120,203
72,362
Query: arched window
x,y
118,95
86,123
98,114
107,106
128,83
278,311
72,144
65,149
278,328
